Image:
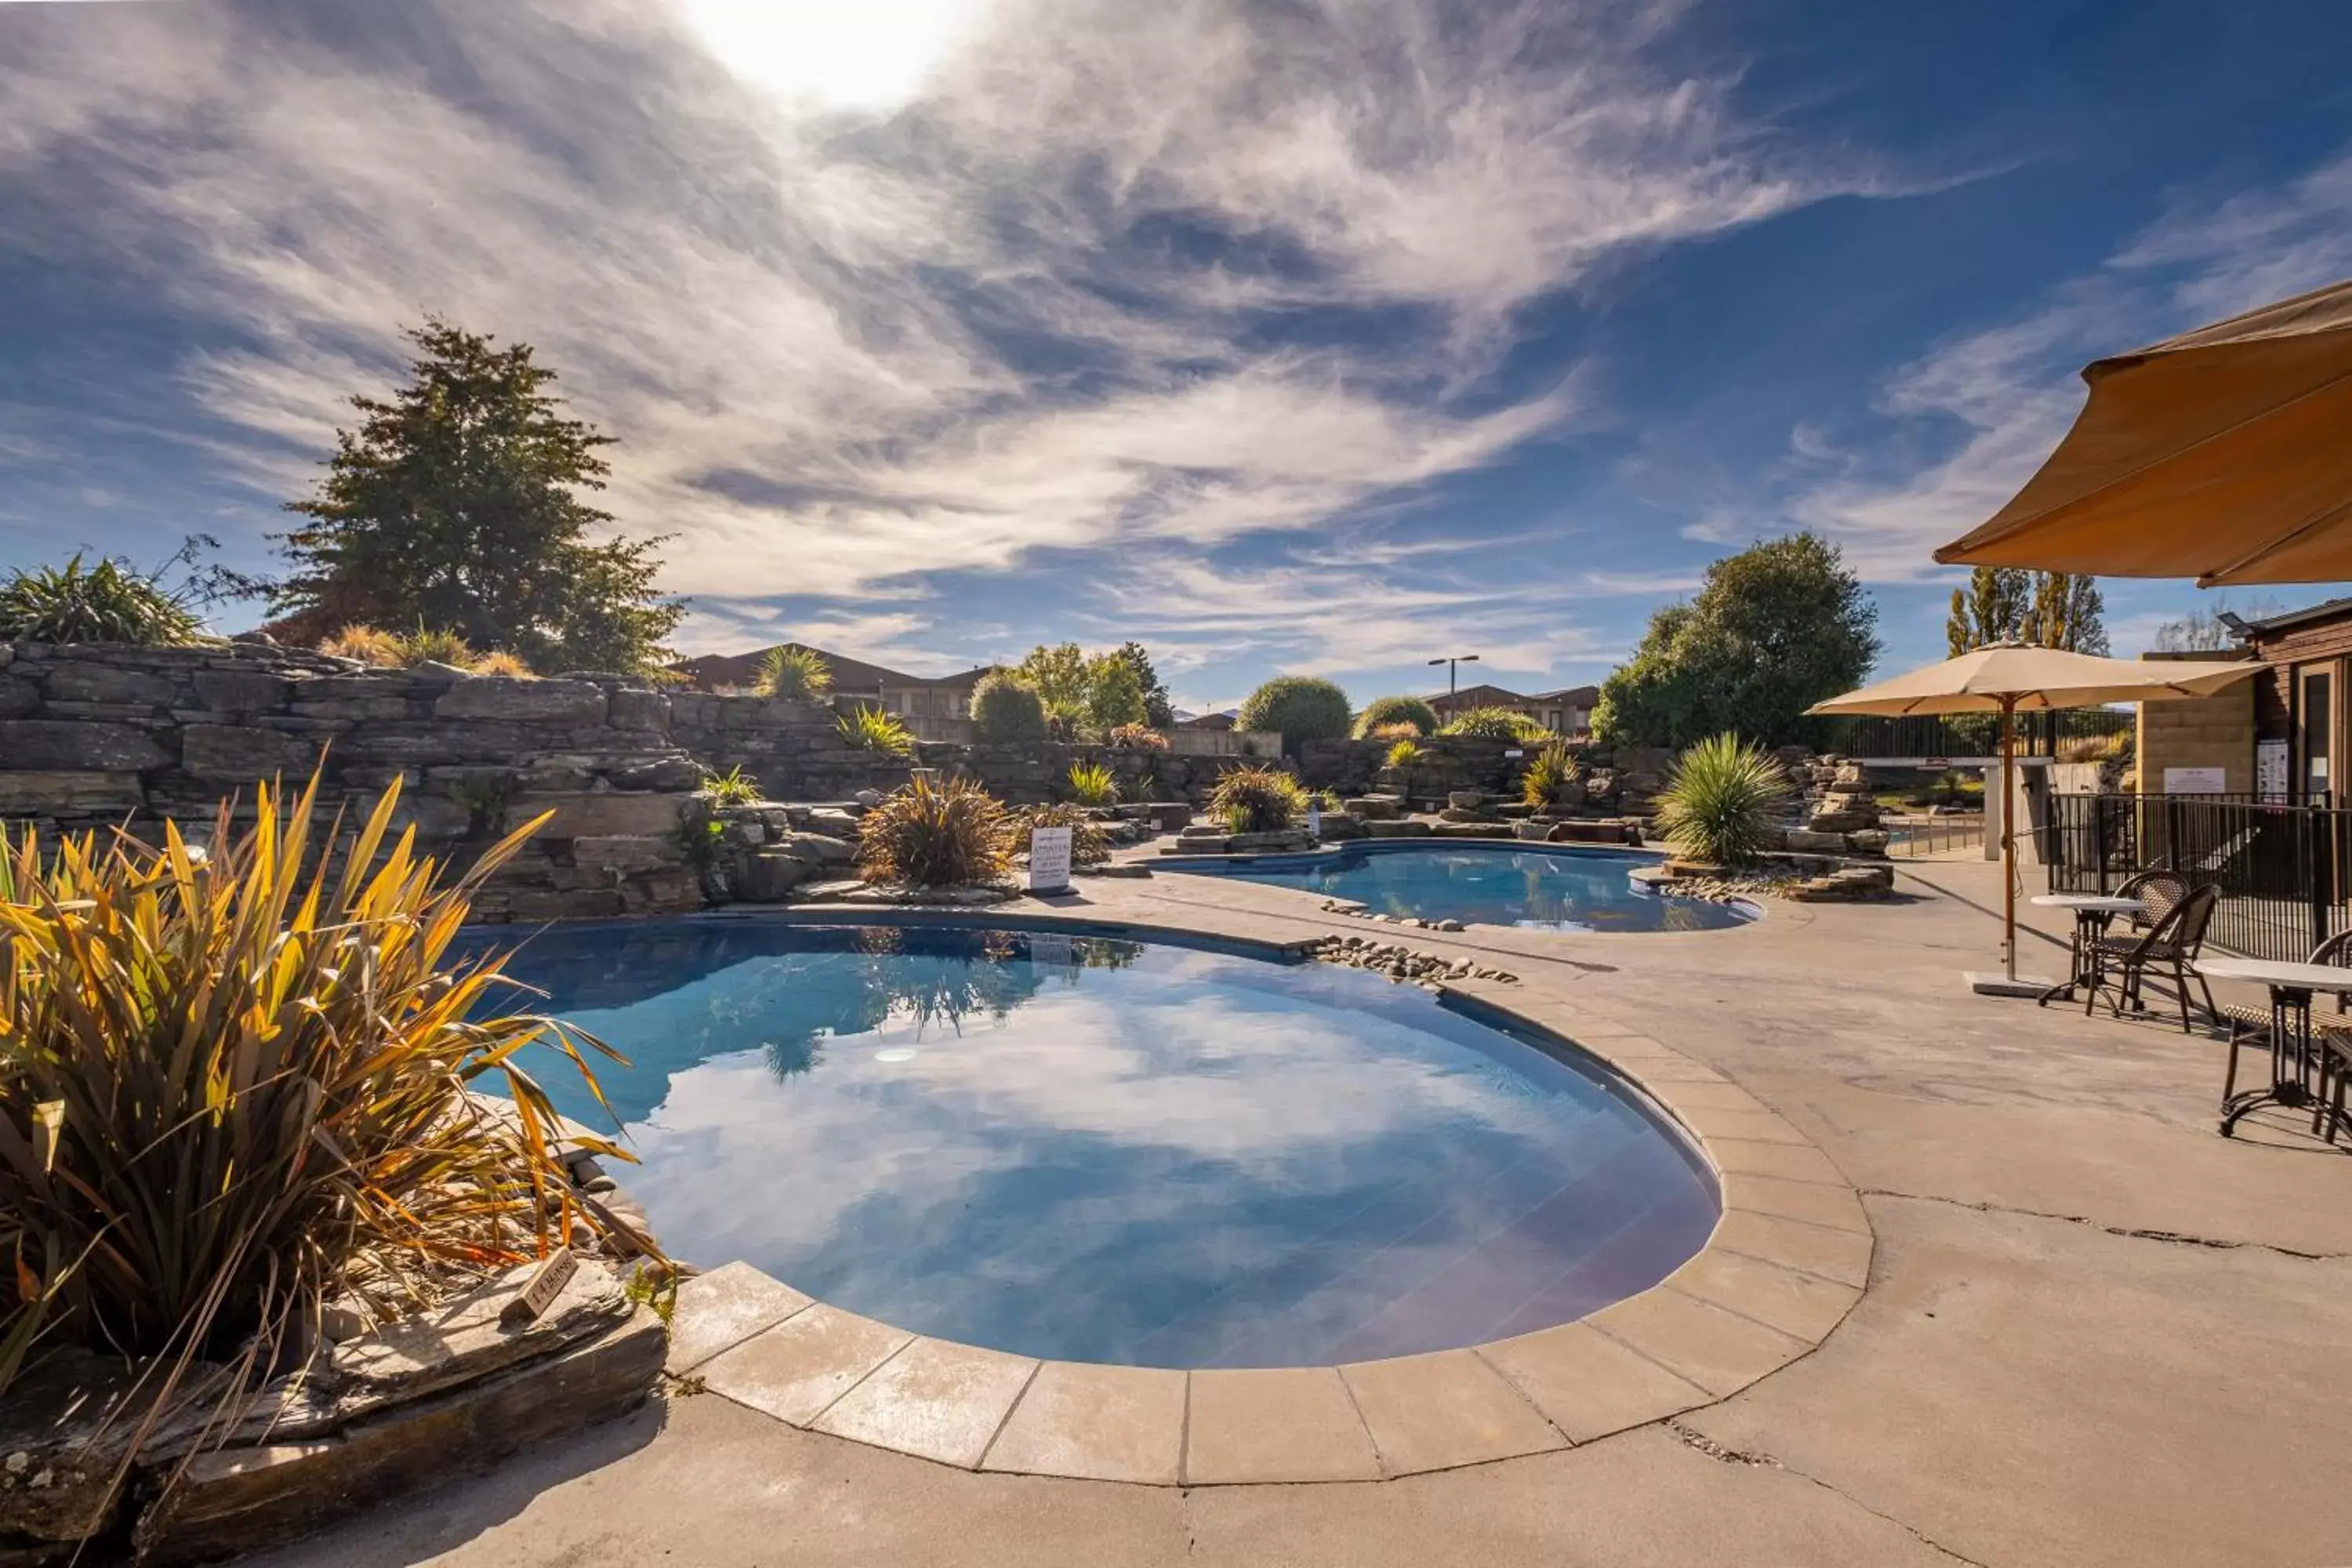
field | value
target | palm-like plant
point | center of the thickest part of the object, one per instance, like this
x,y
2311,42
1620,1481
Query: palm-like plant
x,y
108,602
1091,783
799,674
876,730
1720,799
234,1084
935,836
1549,772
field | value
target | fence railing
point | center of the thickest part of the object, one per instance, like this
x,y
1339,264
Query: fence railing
x,y
1933,838
2038,734
2284,869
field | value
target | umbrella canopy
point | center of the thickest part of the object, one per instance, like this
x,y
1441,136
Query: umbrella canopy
x,y
2002,677
2016,677
2221,454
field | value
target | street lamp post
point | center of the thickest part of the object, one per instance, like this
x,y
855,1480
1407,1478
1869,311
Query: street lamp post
x,y
1453,663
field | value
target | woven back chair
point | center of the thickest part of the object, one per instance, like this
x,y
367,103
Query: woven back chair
x,y
2160,888
2169,947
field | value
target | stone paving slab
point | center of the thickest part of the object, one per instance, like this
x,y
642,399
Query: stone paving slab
x,y
1096,1423
795,1371
721,1309
1712,1346
1587,1384
933,1399
1840,1254
1290,1424
1441,1411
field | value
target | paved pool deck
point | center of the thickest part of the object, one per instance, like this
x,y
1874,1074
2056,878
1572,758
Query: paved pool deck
x,y
2093,1332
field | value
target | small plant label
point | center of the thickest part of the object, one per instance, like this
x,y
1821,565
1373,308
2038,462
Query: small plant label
x,y
547,1282
1049,859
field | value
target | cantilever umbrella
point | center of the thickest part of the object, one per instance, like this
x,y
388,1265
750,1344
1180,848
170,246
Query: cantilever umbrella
x,y
2002,677
2224,455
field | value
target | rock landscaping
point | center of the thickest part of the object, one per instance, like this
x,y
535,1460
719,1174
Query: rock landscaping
x,y
1404,964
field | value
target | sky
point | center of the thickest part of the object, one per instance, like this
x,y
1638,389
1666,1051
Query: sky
x,y
1318,336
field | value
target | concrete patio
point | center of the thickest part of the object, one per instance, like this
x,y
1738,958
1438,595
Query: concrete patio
x,y
2096,1332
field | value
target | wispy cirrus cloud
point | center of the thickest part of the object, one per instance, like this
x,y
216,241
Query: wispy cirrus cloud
x,y
1116,278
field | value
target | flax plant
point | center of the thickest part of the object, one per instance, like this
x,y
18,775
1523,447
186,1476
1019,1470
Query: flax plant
x,y
231,1082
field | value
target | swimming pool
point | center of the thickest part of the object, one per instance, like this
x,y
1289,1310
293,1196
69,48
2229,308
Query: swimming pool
x,y
1488,883
1087,1149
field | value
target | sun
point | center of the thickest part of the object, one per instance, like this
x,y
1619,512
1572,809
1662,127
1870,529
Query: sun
x,y
855,54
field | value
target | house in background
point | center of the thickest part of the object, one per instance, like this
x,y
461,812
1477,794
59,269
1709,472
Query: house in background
x,y
928,703
1568,711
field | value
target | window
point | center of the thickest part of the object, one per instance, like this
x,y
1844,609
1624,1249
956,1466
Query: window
x,y
2316,726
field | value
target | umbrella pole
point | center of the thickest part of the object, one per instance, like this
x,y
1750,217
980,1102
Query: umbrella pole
x,y
2008,838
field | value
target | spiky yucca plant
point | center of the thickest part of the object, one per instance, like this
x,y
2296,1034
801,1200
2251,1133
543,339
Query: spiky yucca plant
x,y
108,602
800,674
1720,799
233,1083
1549,772
1257,800
934,835
1089,845
1091,783
876,730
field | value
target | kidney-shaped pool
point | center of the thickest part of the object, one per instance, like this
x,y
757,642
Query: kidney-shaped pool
x,y
1088,1149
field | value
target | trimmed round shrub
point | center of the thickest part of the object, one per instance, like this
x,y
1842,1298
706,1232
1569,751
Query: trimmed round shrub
x,y
1003,709
1385,714
1302,707
1494,724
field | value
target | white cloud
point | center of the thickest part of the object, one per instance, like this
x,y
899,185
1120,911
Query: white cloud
x,y
2011,391
1037,303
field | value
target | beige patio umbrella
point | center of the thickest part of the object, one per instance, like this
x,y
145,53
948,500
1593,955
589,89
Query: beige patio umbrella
x,y
2004,677
2224,455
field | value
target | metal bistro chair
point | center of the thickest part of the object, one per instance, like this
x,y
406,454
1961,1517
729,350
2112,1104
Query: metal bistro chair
x,y
2170,945
2159,888
2331,1043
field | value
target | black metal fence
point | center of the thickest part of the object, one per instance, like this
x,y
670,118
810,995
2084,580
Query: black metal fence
x,y
2038,734
2284,868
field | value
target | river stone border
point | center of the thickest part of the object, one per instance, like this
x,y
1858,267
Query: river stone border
x,y
1786,1262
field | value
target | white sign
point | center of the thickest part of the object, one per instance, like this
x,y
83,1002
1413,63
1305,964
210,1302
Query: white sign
x,y
2195,781
1315,819
1049,859
1053,947
2270,769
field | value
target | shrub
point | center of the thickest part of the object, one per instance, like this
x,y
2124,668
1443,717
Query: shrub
x,y
1407,755
248,1073
1392,733
1139,738
1301,707
1089,845
1720,799
2112,748
1548,775
873,729
1004,711
1390,712
934,835
439,647
733,787
365,643
799,674
504,663
108,603
1091,784
1257,800
1493,724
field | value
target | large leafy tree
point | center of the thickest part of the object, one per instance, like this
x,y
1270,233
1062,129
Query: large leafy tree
x,y
1773,630
2047,609
1158,711
456,505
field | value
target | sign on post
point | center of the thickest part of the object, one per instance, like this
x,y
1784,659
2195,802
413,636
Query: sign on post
x,y
1049,859
2195,781
2270,769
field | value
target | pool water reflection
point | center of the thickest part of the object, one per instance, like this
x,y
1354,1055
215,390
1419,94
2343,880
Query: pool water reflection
x,y
1105,1150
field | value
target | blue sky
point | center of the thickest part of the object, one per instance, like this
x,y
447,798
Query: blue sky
x,y
1292,336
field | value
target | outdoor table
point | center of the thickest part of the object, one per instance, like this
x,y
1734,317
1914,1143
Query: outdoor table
x,y
2092,913
2291,988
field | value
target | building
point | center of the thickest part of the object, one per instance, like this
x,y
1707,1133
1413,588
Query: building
x,y
2279,735
1568,711
945,697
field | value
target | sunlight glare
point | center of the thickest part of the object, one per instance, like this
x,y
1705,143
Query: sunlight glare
x,y
860,53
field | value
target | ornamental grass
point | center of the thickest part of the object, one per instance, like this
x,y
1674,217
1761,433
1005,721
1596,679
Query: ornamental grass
x,y
1257,800
933,834
236,1082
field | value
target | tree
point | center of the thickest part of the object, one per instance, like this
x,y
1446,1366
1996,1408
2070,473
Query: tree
x,y
1773,630
1058,675
2047,609
1302,707
455,507
1114,694
1158,711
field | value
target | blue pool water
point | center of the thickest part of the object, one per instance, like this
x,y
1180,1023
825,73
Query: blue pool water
x,y
1105,1150
1490,883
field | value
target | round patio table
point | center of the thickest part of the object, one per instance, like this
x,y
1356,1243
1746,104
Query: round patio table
x,y
2291,1056
2092,911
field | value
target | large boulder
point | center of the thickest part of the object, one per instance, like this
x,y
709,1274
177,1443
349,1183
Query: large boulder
x,y
236,753
529,702
69,745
